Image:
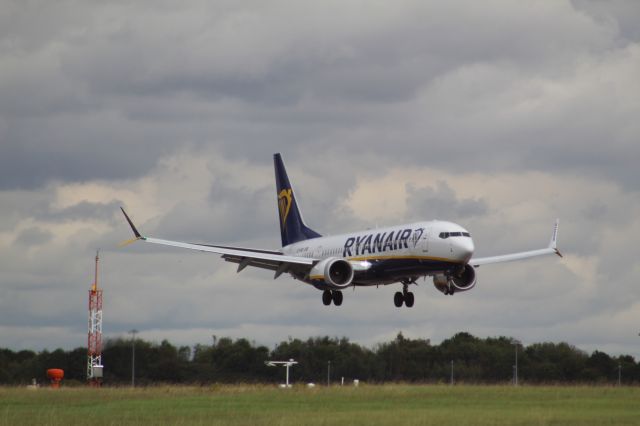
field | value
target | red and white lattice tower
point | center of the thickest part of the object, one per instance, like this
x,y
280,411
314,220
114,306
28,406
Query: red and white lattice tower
x,y
94,351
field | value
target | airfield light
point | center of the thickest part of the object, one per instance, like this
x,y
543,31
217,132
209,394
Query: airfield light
x,y
328,373
619,373
133,357
516,343
286,364
451,372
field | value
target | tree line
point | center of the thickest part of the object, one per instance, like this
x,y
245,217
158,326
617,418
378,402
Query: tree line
x,y
468,358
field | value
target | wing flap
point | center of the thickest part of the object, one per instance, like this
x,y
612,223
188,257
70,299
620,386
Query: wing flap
x,y
243,262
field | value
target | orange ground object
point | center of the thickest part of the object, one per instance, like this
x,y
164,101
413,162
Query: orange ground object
x,y
55,375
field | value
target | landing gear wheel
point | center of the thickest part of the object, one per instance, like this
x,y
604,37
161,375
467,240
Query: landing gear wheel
x,y
449,289
326,297
409,299
337,297
398,299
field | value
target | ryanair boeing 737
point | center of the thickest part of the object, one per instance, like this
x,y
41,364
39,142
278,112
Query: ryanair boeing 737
x,y
397,254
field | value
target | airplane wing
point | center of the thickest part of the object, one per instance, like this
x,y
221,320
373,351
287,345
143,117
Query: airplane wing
x,y
551,249
266,259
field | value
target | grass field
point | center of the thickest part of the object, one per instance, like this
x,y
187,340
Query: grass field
x,y
366,405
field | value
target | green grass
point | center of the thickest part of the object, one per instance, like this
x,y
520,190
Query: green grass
x,y
366,405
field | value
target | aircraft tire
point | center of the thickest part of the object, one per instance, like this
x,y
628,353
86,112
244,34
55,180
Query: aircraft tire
x,y
398,299
409,299
337,296
326,297
450,289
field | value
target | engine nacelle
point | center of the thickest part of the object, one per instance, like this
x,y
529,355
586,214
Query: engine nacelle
x,y
336,273
460,281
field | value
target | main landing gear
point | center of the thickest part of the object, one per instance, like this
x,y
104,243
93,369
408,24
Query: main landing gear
x,y
405,297
332,295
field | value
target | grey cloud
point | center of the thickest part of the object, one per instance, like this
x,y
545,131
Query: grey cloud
x,y
441,202
623,14
17,205
33,237
81,211
74,149
230,215
267,55
269,68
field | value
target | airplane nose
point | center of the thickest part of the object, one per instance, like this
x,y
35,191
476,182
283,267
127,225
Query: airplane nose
x,y
464,249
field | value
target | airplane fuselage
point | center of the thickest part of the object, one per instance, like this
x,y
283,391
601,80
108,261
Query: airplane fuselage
x,y
392,254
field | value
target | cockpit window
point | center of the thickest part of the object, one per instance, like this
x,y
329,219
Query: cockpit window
x,y
445,235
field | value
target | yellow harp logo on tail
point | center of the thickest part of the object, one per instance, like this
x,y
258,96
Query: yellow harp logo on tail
x,y
284,204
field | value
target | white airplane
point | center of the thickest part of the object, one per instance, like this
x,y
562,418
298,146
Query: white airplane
x,y
397,254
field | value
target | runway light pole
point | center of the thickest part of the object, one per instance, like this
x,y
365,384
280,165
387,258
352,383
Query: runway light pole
x,y
328,373
133,357
619,373
451,372
515,342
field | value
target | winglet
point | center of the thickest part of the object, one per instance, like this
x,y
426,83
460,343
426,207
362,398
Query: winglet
x,y
133,227
553,244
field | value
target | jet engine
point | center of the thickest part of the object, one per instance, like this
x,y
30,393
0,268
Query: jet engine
x,y
337,273
462,280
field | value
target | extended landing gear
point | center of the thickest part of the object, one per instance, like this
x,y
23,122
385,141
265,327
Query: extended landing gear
x,y
405,297
449,290
328,296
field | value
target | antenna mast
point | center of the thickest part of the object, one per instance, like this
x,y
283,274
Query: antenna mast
x,y
94,345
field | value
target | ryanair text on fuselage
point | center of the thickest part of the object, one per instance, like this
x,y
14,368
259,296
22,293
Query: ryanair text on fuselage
x,y
381,242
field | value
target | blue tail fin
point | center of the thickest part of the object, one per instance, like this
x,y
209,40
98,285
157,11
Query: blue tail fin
x,y
292,227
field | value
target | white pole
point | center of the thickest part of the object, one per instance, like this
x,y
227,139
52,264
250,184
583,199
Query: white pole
x,y
133,357
516,364
452,372
515,343
619,374
287,381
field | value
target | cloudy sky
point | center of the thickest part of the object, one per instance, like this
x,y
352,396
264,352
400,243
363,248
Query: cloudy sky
x,y
498,115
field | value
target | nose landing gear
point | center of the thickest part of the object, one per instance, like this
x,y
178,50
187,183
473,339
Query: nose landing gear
x,y
449,289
